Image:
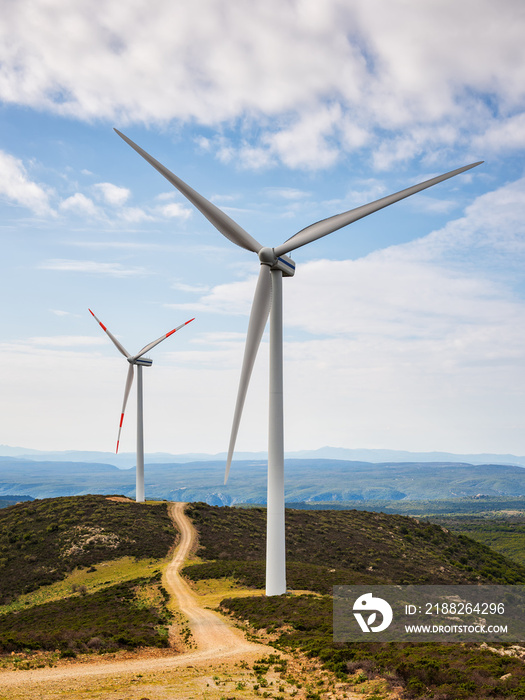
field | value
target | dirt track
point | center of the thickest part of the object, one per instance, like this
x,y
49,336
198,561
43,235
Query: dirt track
x,y
186,675
211,632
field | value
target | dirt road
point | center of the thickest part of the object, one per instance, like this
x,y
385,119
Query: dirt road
x,y
211,632
188,675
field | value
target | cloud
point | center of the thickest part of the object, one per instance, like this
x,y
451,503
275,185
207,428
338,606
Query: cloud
x,y
112,194
191,288
92,267
303,81
504,136
79,204
174,210
16,186
134,215
492,230
61,313
232,298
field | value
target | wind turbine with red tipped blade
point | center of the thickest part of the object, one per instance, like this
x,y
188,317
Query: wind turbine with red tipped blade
x,y
139,361
275,265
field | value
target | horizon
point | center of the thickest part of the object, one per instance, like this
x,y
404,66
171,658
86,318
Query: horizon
x,y
327,453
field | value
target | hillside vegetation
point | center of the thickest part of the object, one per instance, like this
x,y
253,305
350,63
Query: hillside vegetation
x,y
324,547
504,533
57,590
42,541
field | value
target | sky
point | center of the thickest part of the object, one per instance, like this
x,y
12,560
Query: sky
x,y
405,330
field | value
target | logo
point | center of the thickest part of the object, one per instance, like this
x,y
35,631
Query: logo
x,y
367,603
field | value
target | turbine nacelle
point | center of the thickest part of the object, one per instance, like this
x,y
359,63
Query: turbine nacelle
x,y
285,264
142,361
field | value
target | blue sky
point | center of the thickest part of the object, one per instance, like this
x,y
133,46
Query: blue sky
x,y
405,330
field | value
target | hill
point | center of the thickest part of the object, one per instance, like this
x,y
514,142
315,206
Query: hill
x,y
83,573
325,548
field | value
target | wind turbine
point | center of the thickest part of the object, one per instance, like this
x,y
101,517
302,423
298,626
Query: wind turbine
x,y
275,265
139,361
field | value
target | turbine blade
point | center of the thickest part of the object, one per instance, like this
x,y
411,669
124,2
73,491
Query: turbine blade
x,y
258,317
159,340
227,226
129,382
333,223
118,345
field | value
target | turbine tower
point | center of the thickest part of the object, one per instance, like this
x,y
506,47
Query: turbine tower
x,y
275,264
138,361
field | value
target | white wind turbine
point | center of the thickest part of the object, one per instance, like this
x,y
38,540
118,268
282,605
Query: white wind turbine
x,y
139,361
268,294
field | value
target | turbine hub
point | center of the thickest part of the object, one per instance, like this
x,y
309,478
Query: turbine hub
x,y
267,256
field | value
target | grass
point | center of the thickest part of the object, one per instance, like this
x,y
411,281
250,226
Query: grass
x,y
126,615
92,579
42,542
504,533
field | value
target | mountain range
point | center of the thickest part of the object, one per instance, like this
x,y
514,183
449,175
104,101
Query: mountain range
x,y
306,480
125,460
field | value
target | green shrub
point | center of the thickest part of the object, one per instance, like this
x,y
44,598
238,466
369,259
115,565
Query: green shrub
x,y
58,534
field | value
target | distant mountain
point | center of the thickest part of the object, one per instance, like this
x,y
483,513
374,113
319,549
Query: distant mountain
x,y
127,459
306,480
12,500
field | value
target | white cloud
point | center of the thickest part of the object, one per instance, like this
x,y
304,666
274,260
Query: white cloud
x,y
92,267
60,313
192,288
17,187
504,136
112,194
306,143
493,226
79,204
408,347
232,298
305,80
174,210
134,215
